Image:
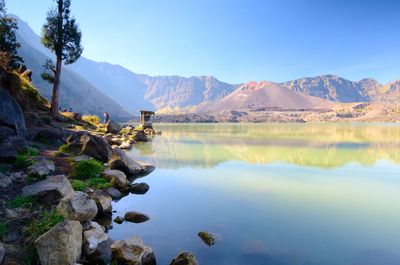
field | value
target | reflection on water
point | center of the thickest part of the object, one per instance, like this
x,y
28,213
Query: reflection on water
x,y
274,194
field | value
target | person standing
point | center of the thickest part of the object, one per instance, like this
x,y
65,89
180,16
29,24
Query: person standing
x,y
106,117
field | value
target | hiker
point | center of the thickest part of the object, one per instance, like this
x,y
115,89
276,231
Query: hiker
x,y
106,117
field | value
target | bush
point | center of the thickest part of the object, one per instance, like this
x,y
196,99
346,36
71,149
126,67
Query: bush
x,y
79,185
87,169
98,183
22,202
22,161
93,119
48,220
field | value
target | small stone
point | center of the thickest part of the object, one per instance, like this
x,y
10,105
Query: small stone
x,y
2,252
207,237
41,167
5,181
139,188
119,220
114,193
184,258
103,201
136,217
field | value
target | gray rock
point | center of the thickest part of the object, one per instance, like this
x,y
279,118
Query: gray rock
x,y
97,245
207,237
11,114
116,177
8,152
41,167
113,127
125,145
119,220
79,206
60,245
119,160
139,188
5,181
19,143
136,217
81,158
132,251
6,132
52,189
114,193
184,258
103,201
2,252
95,147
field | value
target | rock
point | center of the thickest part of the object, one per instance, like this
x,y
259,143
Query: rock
x,y
119,160
139,188
52,189
113,127
114,193
79,206
116,177
51,135
5,181
41,167
81,158
60,245
97,245
125,145
6,132
119,220
95,147
136,217
207,237
132,251
11,114
8,152
184,258
103,201
19,143
2,252
141,136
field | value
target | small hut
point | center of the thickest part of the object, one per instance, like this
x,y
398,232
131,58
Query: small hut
x,y
145,116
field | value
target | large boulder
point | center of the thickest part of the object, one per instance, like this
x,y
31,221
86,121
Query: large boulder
x,y
116,177
103,201
95,147
113,127
140,136
139,188
136,217
132,251
41,167
60,245
119,160
19,143
55,136
8,152
184,258
97,245
11,114
79,206
51,190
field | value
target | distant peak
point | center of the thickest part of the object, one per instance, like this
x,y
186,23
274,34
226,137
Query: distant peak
x,y
253,85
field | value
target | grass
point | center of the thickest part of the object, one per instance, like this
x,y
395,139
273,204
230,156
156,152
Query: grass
x,y
93,119
31,255
22,202
3,229
63,149
23,158
48,220
87,169
98,183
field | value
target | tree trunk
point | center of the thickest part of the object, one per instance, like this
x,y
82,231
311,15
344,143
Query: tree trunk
x,y
55,98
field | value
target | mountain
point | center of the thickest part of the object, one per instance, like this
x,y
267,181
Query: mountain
x,y
330,87
264,95
176,91
75,91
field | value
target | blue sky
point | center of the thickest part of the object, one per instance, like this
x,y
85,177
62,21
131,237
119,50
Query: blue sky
x,y
237,41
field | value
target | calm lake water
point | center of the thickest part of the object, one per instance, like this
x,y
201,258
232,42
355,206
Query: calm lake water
x,y
273,194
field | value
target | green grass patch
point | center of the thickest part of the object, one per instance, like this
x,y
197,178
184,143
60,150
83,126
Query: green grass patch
x,y
3,229
48,220
87,169
97,182
79,185
22,202
31,255
22,161
93,119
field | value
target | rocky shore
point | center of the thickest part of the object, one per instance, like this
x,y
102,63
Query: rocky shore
x,y
58,178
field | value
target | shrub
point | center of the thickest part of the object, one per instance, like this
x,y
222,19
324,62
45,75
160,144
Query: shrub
x,y
22,202
87,169
93,119
47,220
79,185
98,183
3,229
32,151
22,161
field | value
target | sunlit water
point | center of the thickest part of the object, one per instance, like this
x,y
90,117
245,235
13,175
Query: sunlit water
x,y
312,194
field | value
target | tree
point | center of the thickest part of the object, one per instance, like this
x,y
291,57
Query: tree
x,y
8,40
61,35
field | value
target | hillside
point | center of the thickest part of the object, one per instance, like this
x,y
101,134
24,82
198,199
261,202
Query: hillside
x,y
263,95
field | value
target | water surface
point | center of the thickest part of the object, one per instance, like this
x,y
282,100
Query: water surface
x,y
293,194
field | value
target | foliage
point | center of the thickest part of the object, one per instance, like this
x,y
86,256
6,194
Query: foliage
x,y
86,169
49,67
31,255
97,182
22,202
22,161
79,185
63,149
47,220
8,40
35,178
3,229
139,128
93,119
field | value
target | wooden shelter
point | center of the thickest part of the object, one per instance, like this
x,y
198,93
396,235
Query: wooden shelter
x,y
145,118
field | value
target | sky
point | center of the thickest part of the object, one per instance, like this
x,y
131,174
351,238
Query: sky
x,y
237,40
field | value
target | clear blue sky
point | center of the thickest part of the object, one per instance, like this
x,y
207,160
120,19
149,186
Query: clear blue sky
x,y
237,40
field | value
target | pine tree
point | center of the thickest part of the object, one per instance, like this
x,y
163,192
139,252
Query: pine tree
x,y
61,35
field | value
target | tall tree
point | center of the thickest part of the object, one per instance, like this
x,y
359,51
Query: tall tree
x,y
8,42
62,36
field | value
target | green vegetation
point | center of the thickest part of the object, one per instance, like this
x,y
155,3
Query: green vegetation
x,y
98,183
63,149
31,255
86,169
79,185
3,229
22,202
34,178
139,128
3,168
47,220
92,119
23,158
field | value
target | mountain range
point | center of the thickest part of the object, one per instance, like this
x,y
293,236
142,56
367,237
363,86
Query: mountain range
x,y
94,87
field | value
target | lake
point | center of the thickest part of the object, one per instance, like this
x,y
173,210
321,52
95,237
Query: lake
x,y
273,194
